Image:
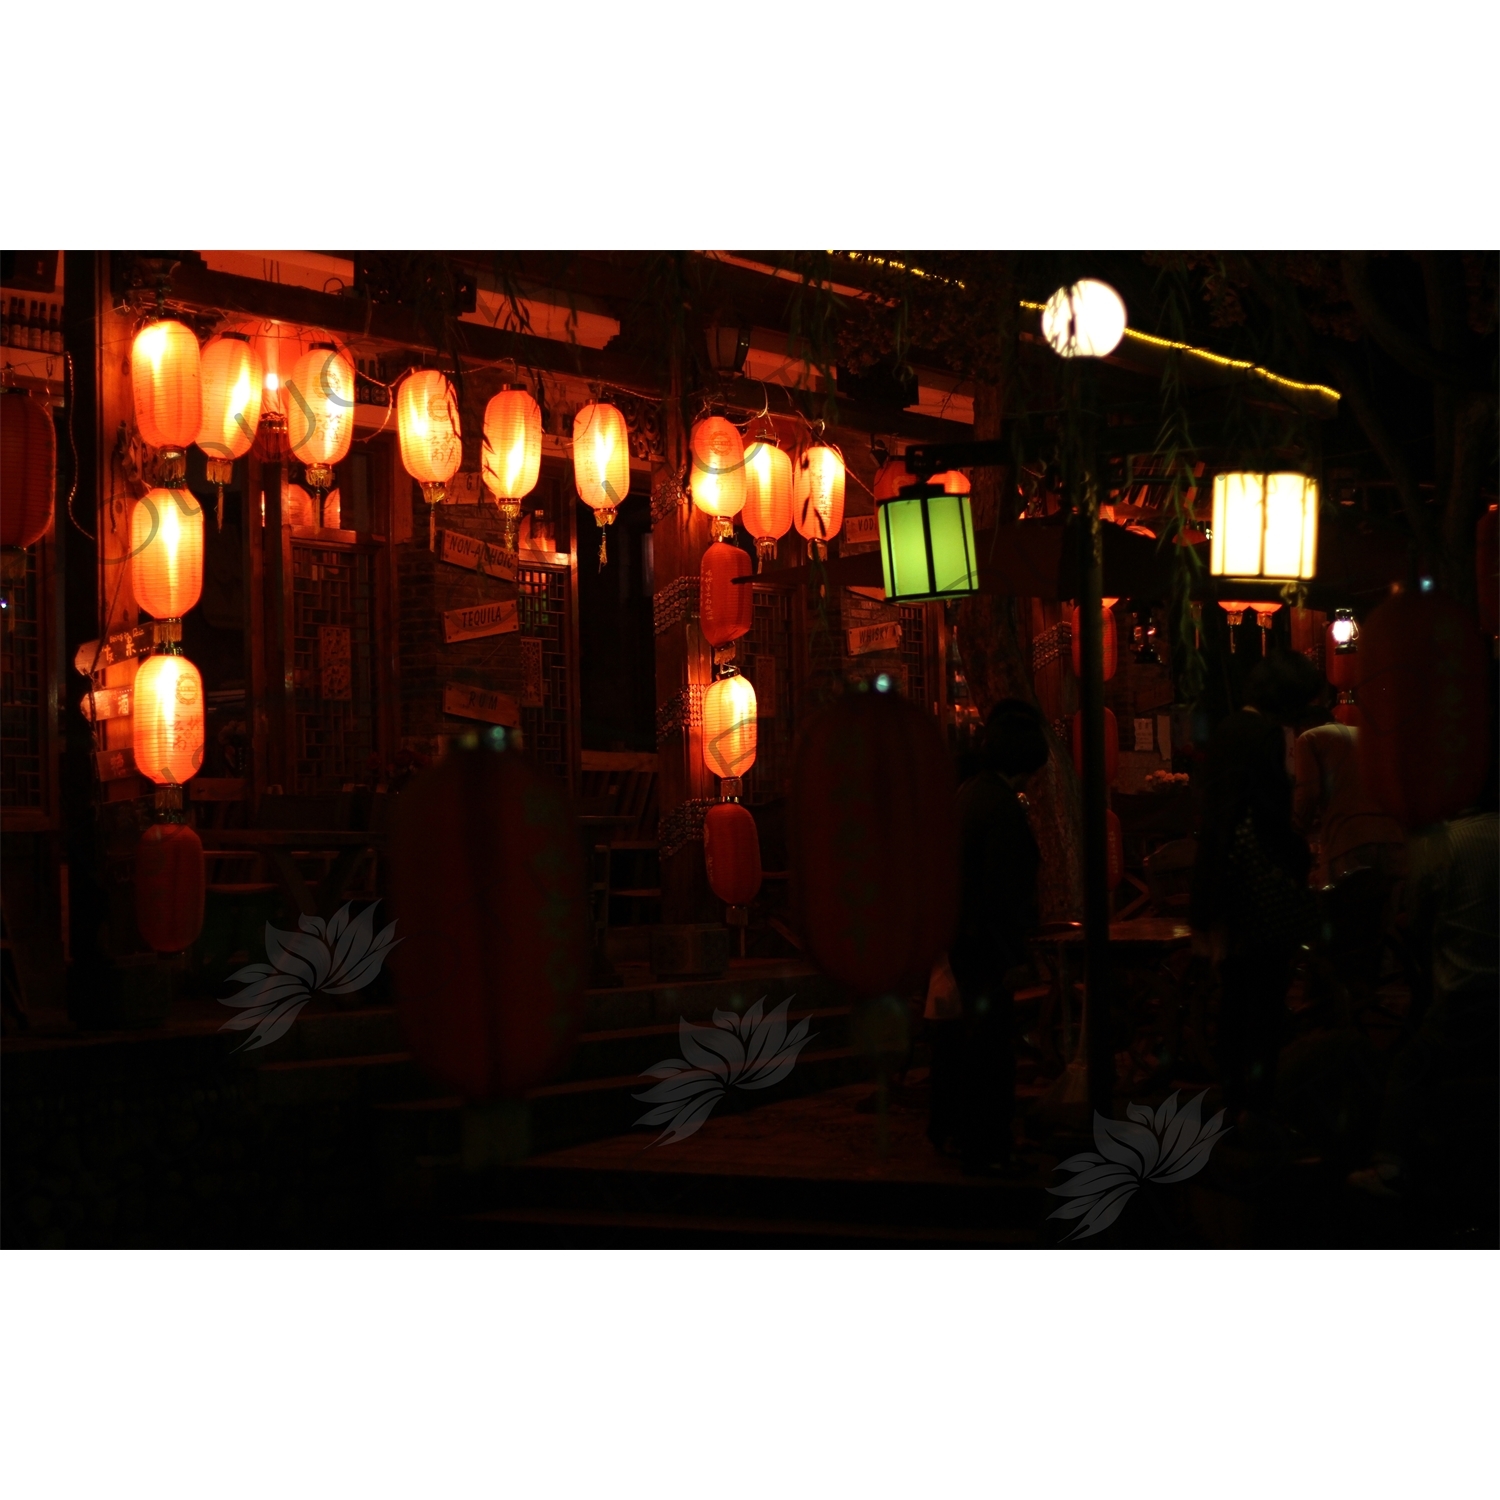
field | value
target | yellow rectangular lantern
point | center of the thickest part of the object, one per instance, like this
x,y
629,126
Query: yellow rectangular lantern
x,y
1264,526
927,544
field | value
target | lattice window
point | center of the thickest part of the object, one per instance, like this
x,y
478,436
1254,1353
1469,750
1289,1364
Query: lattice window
x,y
765,657
333,688
542,594
914,652
22,695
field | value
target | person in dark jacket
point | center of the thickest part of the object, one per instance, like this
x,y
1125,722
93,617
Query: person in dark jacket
x,y
1251,907
974,1061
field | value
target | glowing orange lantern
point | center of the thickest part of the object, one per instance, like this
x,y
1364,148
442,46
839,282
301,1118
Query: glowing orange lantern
x,y
319,406
166,549
232,382
731,857
165,379
718,482
767,515
1235,609
726,606
1111,641
431,435
601,463
511,458
729,729
167,719
28,469
953,481
169,887
818,495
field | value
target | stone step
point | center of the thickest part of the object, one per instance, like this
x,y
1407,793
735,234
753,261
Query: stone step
x,y
520,1228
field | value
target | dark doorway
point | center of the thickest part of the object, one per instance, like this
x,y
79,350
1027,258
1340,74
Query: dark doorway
x,y
617,649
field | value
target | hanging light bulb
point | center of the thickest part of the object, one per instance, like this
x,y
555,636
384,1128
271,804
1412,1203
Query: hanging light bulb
x,y
319,405
511,458
818,496
431,436
1085,320
167,719
1264,526
767,515
1263,613
1343,632
601,463
166,550
165,380
1235,609
729,730
718,481
232,383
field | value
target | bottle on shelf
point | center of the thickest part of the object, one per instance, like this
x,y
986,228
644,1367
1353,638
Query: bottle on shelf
x,y
5,326
56,321
36,326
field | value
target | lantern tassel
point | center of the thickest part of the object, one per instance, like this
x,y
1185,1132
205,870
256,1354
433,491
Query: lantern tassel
x,y
603,548
219,513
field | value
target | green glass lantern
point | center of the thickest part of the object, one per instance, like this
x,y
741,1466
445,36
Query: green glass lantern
x,y
927,544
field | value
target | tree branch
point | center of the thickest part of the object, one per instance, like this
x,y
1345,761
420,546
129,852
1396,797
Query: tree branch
x,y
1420,359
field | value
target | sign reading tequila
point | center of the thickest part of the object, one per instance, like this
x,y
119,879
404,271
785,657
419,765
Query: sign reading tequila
x,y
498,617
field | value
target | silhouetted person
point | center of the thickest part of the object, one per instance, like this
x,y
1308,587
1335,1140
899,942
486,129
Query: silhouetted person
x,y
1251,908
1331,805
974,1060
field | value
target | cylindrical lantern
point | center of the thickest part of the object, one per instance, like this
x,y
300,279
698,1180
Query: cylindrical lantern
x,y
1264,526
511,459
169,887
1111,745
1114,849
233,383
431,436
1111,640
729,726
1487,570
1424,694
718,482
601,463
167,719
1341,651
818,495
166,549
767,515
487,875
1085,320
726,607
165,380
319,405
873,842
731,853
927,543
28,469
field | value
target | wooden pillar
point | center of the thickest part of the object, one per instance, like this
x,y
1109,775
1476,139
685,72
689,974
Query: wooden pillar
x,y
1089,478
680,534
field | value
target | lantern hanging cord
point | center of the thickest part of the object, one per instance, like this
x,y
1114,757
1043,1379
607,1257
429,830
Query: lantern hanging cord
x,y
69,395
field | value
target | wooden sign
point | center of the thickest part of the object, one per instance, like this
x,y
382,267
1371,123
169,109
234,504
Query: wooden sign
x,y
498,617
464,702
866,638
860,531
114,765
124,645
333,662
463,489
534,685
475,554
106,703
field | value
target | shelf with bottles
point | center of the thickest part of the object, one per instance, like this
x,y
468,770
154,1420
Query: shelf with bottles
x,y
32,324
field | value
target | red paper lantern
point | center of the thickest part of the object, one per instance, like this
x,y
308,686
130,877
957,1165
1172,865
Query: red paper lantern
x,y
166,383
1348,713
818,493
169,887
1111,641
28,469
731,853
1111,745
1424,693
891,478
1114,849
718,472
725,608
1487,570
166,721
488,883
874,842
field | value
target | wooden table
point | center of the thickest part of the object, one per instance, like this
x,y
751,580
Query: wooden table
x,y
1152,937
282,847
